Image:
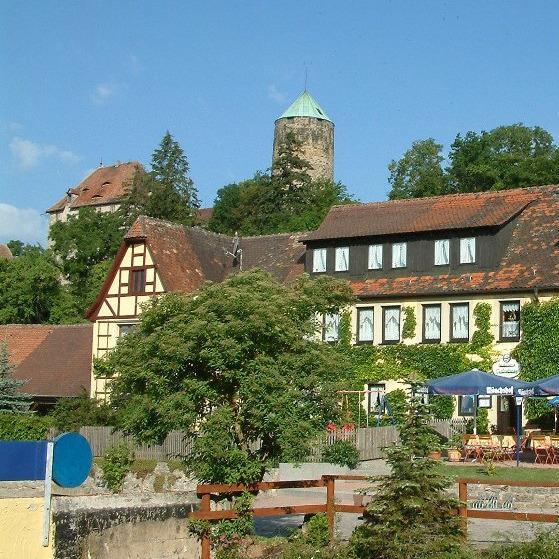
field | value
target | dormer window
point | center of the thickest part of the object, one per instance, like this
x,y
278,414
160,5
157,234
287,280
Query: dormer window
x,y
319,260
467,250
375,257
442,252
342,259
399,255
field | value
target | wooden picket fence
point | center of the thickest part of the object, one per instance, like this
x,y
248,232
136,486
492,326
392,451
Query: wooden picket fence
x,y
175,444
370,441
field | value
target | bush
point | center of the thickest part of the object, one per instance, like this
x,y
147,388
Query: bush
x,y
69,414
316,531
544,546
24,427
116,464
342,453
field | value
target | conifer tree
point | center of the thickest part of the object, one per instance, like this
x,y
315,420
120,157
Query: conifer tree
x,y
166,192
411,516
11,399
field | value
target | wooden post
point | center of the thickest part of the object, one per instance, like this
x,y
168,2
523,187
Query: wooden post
x,y
463,508
330,506
206,544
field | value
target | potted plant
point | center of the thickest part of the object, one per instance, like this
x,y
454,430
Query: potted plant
x,y
435,453
453,448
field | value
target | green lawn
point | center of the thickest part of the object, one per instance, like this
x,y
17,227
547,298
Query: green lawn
x,y
506,473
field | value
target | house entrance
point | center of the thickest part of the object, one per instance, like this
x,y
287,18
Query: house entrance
x,y
506,415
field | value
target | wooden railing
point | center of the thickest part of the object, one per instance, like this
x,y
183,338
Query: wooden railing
x,y
466,513
330,507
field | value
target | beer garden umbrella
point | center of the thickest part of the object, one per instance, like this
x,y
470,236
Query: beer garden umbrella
x,y
546,386
479,383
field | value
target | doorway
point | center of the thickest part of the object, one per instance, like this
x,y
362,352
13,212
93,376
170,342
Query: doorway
x,y
506,415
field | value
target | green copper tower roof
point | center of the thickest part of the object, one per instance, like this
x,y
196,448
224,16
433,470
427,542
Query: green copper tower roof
x,y
305,105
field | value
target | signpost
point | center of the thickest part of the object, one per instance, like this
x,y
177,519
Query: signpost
x,y
67,460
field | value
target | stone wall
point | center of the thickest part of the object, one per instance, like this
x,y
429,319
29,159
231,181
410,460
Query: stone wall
x,y
318,142
116,528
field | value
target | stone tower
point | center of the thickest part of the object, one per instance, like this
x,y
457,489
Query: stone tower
x,y
306,119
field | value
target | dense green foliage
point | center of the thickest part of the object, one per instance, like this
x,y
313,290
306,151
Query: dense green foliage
x,y
69,414
411,516
482,337
246,345
342,453
24,427
505,157
538,350
11,398
419,172
116,463
31,292
85,246
282,200
167,191
410,323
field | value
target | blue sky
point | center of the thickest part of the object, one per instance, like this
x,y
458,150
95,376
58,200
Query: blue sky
x,y
99,80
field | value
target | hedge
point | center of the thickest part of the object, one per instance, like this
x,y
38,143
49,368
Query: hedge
x,y
24,427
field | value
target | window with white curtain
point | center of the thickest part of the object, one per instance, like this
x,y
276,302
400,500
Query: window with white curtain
x,y
342,259
510,320
467,250
442,252
319,260
399,251
460,322
375,257
391,324
330,331
431,323
365,324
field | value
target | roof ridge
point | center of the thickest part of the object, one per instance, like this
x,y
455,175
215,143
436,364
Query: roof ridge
x,y
290,234
451,195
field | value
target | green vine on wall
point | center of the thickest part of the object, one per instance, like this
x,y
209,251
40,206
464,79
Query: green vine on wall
x,y
410,323
482,337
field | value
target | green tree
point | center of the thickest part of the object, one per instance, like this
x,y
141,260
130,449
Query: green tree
x,y
411,516
419,172
166,192
31,292
84,245
505,157
285,200
11,399
234,363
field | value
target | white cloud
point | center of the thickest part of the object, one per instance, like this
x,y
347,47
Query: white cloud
x,y
275,95
24,224
103,92
28,154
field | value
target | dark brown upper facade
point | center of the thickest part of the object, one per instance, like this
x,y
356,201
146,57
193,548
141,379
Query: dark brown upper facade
x,y
511,236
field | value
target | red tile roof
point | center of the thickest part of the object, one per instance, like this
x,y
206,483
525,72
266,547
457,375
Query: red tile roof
x,y
436,213
187,257
531,259
55,360
5,252
105,185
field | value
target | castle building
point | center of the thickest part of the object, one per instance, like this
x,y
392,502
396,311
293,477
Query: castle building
x,y
310,124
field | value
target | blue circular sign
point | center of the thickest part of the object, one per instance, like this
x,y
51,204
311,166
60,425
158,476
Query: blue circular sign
x,y
72,460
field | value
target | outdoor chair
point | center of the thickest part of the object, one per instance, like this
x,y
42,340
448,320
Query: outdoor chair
x,y
541,446
471,447
554,450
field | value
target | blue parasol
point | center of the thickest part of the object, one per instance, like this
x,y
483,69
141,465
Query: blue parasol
x,y
546,386
480,383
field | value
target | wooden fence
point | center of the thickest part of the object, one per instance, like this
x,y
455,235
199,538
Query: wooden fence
x,y
369,441
175,444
